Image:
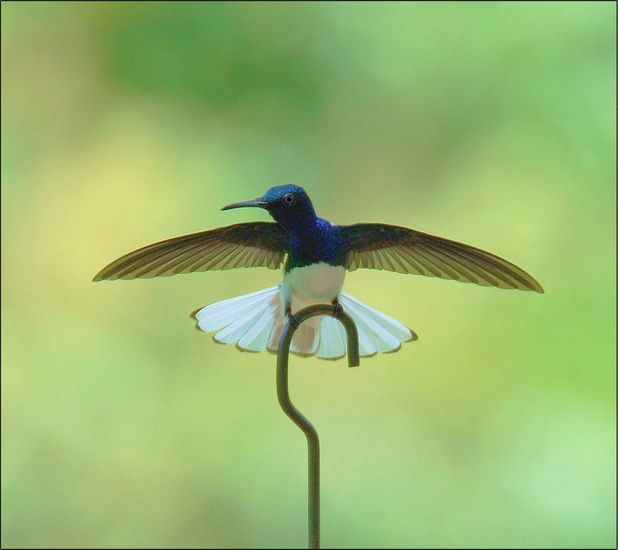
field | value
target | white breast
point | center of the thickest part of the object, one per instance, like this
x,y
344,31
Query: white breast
x,y
314,284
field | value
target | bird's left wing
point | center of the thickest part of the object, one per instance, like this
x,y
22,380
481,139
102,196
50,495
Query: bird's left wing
x,y
394,248
242,245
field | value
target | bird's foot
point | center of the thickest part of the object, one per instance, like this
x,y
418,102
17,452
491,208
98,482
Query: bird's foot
x,y
338,307
291,319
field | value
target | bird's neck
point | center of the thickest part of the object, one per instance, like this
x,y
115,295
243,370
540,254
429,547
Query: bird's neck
x,y
314,241
298,226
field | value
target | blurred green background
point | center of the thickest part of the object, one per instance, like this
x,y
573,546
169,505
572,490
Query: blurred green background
x,y
127,123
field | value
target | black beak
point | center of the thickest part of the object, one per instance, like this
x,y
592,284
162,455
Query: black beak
x,y
256,202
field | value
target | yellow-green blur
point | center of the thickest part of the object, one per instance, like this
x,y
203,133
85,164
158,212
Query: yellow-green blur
x,y
488,123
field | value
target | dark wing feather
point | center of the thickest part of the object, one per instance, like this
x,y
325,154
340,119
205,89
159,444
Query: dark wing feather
x,y
394,248
242,245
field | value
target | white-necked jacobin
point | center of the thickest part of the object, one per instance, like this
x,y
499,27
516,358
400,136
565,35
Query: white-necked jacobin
x,y
316,255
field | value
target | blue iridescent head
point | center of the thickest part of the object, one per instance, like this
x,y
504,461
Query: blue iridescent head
x,y
289,205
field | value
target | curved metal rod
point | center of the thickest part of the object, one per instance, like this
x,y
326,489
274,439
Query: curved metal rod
x,y
313,443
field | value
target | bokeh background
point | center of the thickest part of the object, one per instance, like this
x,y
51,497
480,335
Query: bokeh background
x,y
488,123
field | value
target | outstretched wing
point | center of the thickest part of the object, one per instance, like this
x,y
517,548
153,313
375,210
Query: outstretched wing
x,y
394,248
242,245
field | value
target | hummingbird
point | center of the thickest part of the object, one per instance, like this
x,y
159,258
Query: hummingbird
x,y
315,255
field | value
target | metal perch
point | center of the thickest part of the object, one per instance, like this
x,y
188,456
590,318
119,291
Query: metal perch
x,y
313,443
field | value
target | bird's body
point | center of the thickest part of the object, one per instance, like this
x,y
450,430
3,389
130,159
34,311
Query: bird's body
x,y
314,269
317,254
312,284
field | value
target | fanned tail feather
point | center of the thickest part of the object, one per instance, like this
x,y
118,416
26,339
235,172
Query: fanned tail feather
x,y
255,322
246,320
376,330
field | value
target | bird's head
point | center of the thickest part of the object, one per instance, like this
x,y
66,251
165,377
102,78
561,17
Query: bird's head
x,y
289,205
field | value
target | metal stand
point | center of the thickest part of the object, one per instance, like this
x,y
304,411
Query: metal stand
x,y
313,443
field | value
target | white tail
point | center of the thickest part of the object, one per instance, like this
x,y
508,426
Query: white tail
x,y
255,321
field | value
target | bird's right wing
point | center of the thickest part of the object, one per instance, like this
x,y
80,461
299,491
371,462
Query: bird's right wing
x,y
250,244
394,248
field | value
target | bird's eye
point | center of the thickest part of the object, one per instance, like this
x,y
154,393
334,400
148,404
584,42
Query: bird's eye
x,y
288,198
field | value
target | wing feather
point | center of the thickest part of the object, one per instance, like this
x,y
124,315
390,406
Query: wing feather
x,y
407,256
394,248
241,245
169,259
428,265
439,262
239,258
